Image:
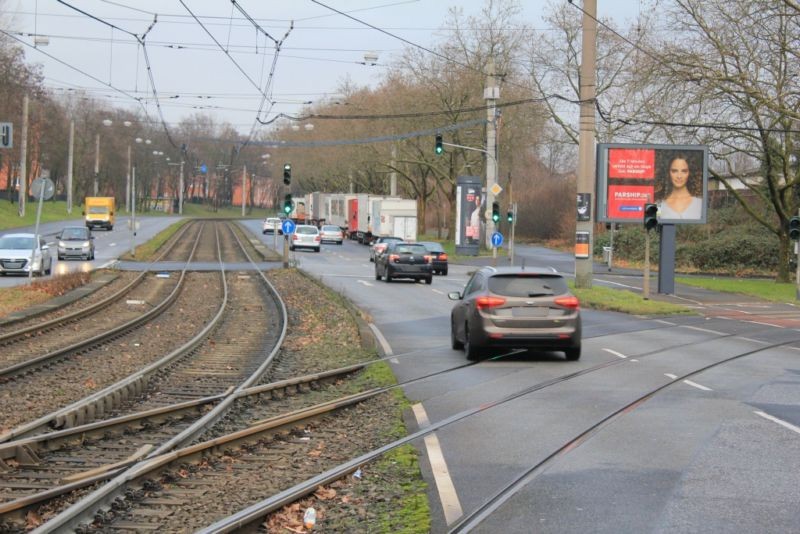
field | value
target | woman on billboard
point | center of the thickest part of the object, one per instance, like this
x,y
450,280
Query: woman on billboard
x,y
679,191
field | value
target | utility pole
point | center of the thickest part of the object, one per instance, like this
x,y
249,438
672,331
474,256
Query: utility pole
x,y
244,186
393,174
70,162
96,163
490,93
586,139
180,192
23,156
128,182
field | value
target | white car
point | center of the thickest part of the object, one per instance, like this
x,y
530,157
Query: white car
x,y
272,225
15,255
333,233
306,236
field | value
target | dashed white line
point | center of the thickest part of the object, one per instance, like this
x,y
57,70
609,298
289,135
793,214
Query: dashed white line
x,y
689,382
615,353
441,475
781,422
437,291
705,330
751,340
766,324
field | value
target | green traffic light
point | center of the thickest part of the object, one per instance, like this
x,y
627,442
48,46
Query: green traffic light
x,y
439,148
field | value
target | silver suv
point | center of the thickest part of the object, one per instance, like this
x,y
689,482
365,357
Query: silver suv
x,y
516,307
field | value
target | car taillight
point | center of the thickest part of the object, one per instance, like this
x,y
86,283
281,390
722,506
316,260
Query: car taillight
x,y
394,257
568,302
442,256
489,302
318,238
295,237
428,259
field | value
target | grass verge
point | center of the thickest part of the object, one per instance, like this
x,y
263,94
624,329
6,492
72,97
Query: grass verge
x,y
621,300
146,251
24,296
764,289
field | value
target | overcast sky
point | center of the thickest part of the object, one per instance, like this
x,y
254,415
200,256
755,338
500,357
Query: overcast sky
x,y
192,73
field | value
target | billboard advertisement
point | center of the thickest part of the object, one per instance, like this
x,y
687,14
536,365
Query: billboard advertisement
x,y
471,200
675,177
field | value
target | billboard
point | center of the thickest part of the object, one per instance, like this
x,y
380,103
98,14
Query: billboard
x,y
469,207
675,177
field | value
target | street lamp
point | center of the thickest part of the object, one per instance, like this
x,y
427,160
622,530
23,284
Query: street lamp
x,y
138,141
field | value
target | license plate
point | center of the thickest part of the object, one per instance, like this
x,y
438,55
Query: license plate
x,y
529,312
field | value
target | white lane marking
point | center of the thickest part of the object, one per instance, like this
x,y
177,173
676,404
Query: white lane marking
x,y
794,348
696,385
634,360
437,291
688,382
441,475
705,330
387,349
662,321
615,353
364,282
107,264
781,422
753,340
766,324
112,245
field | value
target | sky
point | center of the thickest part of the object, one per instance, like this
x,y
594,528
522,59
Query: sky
x,y
205,56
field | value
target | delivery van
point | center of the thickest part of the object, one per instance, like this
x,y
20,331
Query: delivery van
x,y
99,211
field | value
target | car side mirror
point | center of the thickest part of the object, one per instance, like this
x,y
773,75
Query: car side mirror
x,y
455,295
58,236
45,247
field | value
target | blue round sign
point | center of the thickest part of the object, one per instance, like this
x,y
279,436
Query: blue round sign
x,y
288,226
203,168
497,239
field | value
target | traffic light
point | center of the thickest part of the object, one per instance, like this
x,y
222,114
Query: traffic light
x,y
287,173
439,147
794,228
650,216
510,216
496,212
288,205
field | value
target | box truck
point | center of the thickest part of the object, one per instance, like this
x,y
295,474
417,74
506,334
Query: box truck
x,y
99,211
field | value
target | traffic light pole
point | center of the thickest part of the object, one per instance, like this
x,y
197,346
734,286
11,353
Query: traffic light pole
x,y
646,280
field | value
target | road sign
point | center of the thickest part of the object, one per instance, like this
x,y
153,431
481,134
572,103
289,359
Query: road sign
x,y
6,135
203,168
497,239
496,189
288,226
43,187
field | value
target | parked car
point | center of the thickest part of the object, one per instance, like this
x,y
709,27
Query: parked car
x,y
516,307
332,233
272,225
439,256
379,245
306,236
75,242
16,251
404,260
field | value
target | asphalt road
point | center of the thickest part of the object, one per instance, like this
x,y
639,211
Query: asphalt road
x,y
718,451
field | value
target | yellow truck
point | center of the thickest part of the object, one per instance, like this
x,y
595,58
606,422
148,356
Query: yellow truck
x,y
99,211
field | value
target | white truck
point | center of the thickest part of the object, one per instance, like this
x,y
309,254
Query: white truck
x,y
394,217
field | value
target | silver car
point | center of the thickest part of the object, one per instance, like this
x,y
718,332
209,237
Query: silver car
x,y
16,251
75,242
333,233
306,236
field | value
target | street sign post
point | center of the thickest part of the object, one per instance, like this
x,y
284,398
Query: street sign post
x,y
6,135
288,228
497,240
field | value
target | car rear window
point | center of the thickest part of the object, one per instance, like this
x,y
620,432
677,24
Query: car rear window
x,y
331,229
410,249
527,285
433,247
306,230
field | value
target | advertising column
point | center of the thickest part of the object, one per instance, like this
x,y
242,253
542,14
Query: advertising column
x,y
469,208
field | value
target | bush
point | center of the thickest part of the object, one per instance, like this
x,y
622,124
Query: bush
x,y
734,252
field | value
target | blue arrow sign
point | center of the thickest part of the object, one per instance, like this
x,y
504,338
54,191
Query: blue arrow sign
x,y
288,226
497,239
203,168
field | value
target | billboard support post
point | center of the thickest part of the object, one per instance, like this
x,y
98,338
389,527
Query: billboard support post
x,y
646,280
666,260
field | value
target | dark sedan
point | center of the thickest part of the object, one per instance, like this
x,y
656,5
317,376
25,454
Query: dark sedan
x,y
438,256
404,260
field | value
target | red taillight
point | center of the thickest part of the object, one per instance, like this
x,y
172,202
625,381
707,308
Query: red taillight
x,y
442,256
318,238
428,259
568,302
294,237
394,257
489,302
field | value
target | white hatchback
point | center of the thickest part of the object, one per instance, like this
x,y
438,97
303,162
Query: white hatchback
x,y
306,236
271,226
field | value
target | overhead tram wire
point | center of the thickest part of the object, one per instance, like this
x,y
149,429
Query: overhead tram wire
x,y
141,40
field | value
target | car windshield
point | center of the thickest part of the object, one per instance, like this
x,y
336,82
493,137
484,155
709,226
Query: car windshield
x,y
74,233
306,230
410,249
527,285
98,209
433,247
16,243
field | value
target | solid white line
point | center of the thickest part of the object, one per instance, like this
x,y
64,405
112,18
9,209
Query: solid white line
x,y
766,324
387,349
662,321
696,385
437,291
441,475
615,353
781,422
705,330
669,375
